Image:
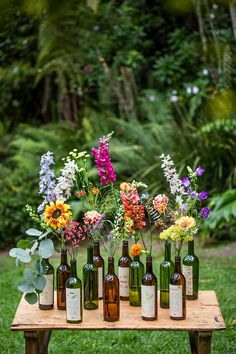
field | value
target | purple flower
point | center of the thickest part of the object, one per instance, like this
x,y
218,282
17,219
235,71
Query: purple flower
x,y
183,207
185,181
103,162
202,195
199,171
205,212
193,194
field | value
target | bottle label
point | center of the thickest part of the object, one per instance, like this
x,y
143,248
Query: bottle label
x,y
188,274
148,300
47,296
123,275
176,301
73,303
100,282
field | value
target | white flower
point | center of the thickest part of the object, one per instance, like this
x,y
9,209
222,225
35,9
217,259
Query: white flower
x,y
195,90
174,98
189,90
151,98
171,175
66,181
205,72
212,16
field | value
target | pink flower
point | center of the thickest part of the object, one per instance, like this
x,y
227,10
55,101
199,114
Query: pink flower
x,y
160,203
74,233
92,217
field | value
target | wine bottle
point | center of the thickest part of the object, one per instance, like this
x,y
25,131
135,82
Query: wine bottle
x,y
149,293
177,293
74,312
99,263
46,298
111,299
123,271
63,274
90,280
166,270
191,272
136,272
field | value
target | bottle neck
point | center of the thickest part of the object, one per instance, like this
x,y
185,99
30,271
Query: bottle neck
x,y
191,247
167,251
177,264
136,258
111,265
125,249
96,249
63,256
46,261
90,255
149,264
73,268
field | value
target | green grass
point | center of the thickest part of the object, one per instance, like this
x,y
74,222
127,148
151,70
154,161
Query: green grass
x,y
216,273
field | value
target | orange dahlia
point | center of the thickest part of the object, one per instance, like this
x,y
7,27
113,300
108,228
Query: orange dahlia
x,y
136,249
57,214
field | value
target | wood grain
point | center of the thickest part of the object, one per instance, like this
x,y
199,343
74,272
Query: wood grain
x,y
202,315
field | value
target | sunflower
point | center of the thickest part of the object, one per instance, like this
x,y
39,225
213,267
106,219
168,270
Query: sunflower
x,y
57,214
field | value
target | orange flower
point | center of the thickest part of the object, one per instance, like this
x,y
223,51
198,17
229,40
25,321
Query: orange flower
x,y
81,193
95,191
136,249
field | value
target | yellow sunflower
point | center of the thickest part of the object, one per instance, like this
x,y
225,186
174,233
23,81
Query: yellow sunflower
x,y
57,214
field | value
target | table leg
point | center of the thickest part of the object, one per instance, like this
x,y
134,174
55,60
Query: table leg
x,y
36,342
193,340
204,342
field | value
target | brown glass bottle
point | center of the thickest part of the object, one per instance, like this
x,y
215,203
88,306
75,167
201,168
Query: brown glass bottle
x,y
63,274
111,298
123,271
46,298
177,293
99,263
149,293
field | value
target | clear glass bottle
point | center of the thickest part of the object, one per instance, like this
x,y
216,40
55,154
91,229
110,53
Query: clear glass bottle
x,y
46,298
99,263
74,311
111,300
166,270
135,279
177,293
149,293
123,271
90,280
191,272
63,274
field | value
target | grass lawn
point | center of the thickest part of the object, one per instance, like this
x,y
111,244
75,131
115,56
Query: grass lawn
x,y
216,273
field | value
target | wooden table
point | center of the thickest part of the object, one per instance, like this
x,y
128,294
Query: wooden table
x,y
203,317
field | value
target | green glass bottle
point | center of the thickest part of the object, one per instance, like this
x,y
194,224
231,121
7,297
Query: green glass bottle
x,y
99,263
74,312
111,299
46,298
90,280
63,274
166,270
191,272
149,293
136,272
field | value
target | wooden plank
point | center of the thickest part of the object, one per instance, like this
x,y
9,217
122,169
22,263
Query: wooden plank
x,y
202,315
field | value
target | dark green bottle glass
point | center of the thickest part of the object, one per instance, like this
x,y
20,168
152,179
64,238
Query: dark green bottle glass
x,y
63,274
46,298
191,272
90,280
74,312
166,270
136,270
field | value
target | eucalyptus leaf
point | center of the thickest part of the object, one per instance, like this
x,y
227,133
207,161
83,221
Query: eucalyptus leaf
x,y
38,268
12,252
34,247
23,244
22,255
39,282
45,234
28,275
46,248
31,298
33,232
26,287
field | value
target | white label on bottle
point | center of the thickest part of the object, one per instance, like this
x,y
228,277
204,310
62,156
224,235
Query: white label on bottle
x,y
100,282
176,303
73,304
188,273
123,275
47,296
148,300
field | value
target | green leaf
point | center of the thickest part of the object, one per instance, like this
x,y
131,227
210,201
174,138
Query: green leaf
x,y
38,268
23,244
189,169
46,248
33,232
31,298
21,254
28,275
26,287
39,282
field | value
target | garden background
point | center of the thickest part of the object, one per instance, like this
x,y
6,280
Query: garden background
x,y
162,76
